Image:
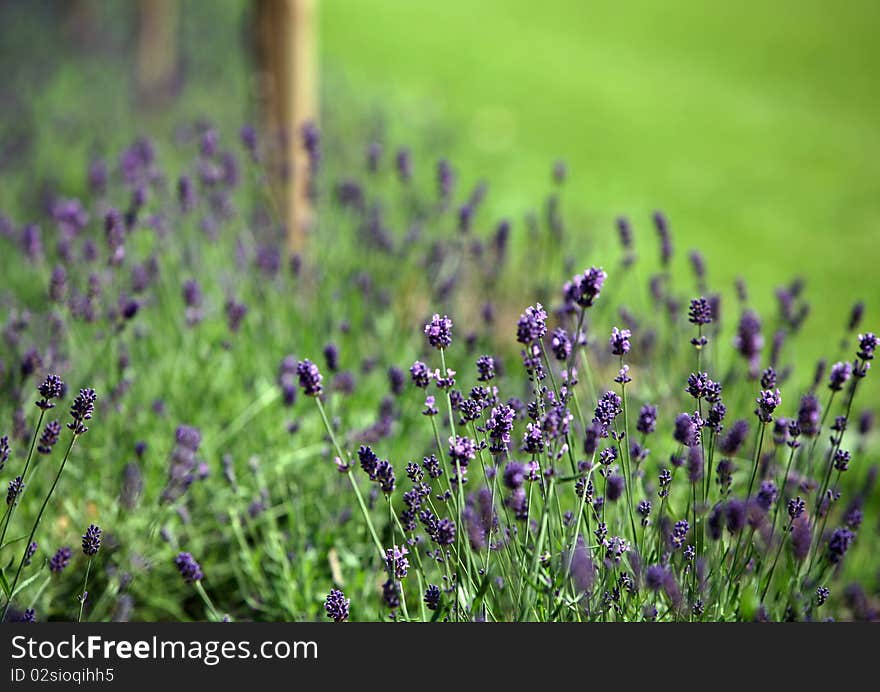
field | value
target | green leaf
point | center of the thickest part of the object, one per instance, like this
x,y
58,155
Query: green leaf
x,y
12,541
4,583
24,584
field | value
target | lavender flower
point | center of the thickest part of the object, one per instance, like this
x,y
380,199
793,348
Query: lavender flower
x,y
679,533
462,450
767,402
532,325
309,378
687,431
839,544
60,560
735,438
840,374
432,597
403,161
867,345
391,594
583,572
822,594
620,344
485,368
801,538
51,388
421,375
699,385
81,410
368,461
58,284
796,507
735,513
439,331
499,425
766,495
656,577
624,232
809,415
444,532
4,451
748,340
337,605
235,314
32,246
533,439
396,562
647,421
16,486
700,312
29,615
609,406
189,569
560,344
331,357
430,406
841,460
30,552
432,466
615,488
866,422
91,540
662,226
585,288
695,463
49,437
385,476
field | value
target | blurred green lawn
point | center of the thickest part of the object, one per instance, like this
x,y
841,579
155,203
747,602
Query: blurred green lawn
x,y
754,125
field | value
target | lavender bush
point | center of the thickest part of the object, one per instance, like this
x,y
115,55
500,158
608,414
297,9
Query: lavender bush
x,y
419,418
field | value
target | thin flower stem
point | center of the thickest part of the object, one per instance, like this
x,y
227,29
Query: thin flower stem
x,y
819,433
626,461
459,485
207,601
782,485
10,510
354,486
395,520
536,557
85,593
577,526
21,562
757,461
834,447
775,560
448,398
442,454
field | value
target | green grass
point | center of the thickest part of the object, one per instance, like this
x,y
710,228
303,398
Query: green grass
x,y
753,125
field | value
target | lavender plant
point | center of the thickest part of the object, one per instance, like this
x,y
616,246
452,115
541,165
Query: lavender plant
x,y
378,429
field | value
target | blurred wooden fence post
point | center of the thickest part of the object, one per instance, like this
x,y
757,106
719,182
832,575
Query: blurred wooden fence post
x,y
156,50
288,80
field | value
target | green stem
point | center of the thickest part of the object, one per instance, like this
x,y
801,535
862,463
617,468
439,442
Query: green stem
x,y
85,593
207,601
757,462
21,562
354,486
7,517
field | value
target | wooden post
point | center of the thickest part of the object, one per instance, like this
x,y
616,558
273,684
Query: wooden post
x,y
156,50
286,54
